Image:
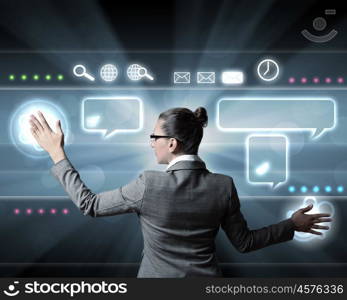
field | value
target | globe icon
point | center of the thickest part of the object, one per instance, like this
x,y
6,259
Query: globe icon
x,y
109,72
134,72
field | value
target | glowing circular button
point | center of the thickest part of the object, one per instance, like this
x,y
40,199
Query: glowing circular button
x,y
20,127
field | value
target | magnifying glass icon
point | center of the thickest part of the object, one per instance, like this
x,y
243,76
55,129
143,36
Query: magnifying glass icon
x,y
136,72
144,73
80,71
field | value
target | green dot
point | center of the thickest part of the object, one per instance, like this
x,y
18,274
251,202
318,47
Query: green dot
x,y
24,77
48,77
11,77
36,77
60,77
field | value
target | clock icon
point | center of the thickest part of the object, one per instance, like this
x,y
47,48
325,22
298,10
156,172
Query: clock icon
x,y
268,70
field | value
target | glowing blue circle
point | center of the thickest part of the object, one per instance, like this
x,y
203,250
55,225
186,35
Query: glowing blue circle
x,y
328,188
340,189
303,189
19,129
315,189
291,189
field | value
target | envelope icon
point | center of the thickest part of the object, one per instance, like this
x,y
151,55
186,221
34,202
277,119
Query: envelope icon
x,y
181,77
232,77
206,77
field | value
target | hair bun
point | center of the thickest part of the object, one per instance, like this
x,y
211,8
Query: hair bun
x,y
201,115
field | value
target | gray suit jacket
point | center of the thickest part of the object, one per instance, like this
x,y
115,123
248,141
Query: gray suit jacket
x,y
180,212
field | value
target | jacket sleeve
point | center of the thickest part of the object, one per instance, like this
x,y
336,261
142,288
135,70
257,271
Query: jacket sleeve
x,y
244,239
122,200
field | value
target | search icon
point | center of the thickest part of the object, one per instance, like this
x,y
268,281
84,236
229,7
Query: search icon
x,y
136,72
80,71
144,73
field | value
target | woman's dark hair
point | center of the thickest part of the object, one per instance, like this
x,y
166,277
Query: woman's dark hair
x,y
186,126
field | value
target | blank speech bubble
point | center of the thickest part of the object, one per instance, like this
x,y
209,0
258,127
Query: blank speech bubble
x,y
112,115
276,114
267,159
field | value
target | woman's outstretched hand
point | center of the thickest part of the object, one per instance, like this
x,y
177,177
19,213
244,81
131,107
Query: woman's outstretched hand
x,y
49,140
307,223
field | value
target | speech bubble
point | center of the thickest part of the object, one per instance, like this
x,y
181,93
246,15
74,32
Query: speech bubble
x,y
277,114
267,159
111,115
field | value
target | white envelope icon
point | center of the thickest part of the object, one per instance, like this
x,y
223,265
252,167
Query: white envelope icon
x,y
232,77
206,77
181,77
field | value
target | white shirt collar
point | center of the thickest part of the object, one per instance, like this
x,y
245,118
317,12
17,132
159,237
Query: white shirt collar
x,y
190,157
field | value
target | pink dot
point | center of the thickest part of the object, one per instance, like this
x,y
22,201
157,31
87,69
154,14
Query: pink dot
x,y
53,211
303,80
340,80
16,211
29,211
41,211
65,211
315,79
328,80
291,79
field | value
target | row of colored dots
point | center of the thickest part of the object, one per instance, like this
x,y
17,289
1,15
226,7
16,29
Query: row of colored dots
x,y
35,77
315,189
40,211
315,80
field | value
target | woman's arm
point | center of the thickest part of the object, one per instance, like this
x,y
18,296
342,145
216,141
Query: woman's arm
x,y
122,200
245,240
52,142
126,199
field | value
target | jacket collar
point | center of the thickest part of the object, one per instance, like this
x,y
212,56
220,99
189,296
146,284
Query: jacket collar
x,y
183,157
187,165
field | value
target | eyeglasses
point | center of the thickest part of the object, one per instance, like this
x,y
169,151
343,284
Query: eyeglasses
x,y
154,137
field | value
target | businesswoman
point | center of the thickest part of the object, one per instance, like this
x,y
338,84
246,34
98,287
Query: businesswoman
x,y
181,209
